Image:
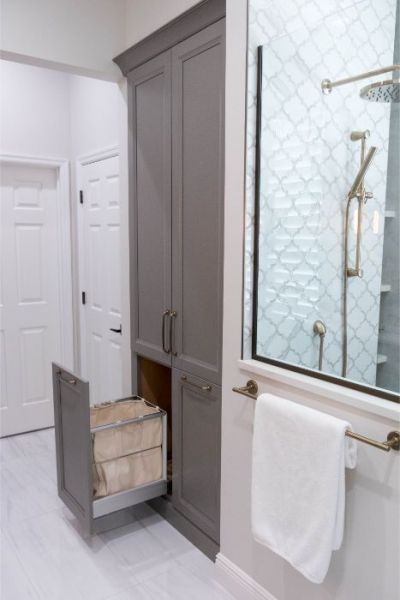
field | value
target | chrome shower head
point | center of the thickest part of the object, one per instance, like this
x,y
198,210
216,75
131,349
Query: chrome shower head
x,y
361,173
382,91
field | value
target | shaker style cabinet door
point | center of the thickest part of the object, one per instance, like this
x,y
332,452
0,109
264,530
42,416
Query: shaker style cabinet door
x,y
150,207
197,201
196,447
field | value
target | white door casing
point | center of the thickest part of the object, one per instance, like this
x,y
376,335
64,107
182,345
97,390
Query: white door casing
x,y
36,297
100,276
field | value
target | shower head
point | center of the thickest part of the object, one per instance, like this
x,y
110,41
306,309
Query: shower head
x,y
361,173
382,91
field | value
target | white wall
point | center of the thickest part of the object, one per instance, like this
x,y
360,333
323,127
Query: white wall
x,y
78,35
366,567
142,18
34,111
95,114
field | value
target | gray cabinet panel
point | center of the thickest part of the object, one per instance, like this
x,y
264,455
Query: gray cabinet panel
x,y
73,444
198,186
150,218
196,415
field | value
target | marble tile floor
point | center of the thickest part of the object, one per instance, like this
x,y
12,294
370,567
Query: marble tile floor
x,y
45,556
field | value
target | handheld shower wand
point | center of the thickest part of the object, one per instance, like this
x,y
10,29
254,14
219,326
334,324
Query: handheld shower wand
x,y
357,186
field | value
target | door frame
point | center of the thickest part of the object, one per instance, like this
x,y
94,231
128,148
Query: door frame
x,y
65,285
82,161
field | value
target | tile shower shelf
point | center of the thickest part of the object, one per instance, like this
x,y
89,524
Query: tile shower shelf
x,y
390,214
385,287
381,359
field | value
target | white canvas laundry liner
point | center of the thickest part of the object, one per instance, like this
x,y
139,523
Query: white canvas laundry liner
x,y
125,456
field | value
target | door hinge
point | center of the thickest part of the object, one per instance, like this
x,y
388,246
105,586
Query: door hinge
x,y
83,297
81,196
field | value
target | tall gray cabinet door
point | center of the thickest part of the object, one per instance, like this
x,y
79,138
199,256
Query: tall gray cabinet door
x,y
198,66
196,447
150,206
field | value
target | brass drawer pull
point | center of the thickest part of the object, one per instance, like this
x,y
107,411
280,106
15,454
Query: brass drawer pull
x,y
69,381
165,314
203,388
172,316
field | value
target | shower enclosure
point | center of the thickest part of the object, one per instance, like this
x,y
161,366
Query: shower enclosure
x,y
325,294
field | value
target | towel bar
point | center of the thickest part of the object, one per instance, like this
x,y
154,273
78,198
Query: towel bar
x,y
393,437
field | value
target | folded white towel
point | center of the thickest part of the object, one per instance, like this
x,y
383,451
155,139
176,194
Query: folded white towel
x,y
298,482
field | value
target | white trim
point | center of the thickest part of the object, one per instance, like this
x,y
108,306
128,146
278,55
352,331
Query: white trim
x,y
86,159
336,393
25,159
64,245
80,162
239,583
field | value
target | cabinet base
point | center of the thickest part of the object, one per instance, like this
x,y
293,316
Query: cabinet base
x,y
164,507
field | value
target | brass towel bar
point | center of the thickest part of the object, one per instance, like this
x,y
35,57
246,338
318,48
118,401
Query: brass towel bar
x,y
392,441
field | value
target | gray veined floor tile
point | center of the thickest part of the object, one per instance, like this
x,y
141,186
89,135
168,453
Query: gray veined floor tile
x,y
14,582
27,478
45,555
138,549
168,537
63,565
180,584
27,445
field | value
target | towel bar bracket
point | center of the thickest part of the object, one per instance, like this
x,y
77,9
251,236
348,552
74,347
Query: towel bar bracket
x,y
250,389
392,441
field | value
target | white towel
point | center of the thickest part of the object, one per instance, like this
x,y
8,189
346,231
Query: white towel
x,y
298,482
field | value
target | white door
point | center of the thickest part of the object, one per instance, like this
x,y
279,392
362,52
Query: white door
x,y
101,347
30,332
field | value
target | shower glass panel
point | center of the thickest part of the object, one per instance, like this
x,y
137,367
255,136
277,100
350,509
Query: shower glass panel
x,y
327,195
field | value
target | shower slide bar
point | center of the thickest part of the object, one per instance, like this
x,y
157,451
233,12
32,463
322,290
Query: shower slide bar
x,y
250,390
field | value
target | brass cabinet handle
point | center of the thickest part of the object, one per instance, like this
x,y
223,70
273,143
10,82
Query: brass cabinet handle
x,y
204,388
70,381
165,314
172,316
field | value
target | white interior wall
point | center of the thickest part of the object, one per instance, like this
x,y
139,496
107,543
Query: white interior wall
x,y
78,35
142,18
34,111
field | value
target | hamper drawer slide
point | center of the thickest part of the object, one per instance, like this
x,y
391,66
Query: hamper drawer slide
x,y
109,456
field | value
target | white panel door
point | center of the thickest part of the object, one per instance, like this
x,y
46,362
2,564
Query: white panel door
x,y
101,348
30,337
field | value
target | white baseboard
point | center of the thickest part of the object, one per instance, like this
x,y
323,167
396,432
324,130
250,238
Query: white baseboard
x,y
238,583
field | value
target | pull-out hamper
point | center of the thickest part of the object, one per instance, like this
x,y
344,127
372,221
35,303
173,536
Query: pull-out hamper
x,y
109,456
126,445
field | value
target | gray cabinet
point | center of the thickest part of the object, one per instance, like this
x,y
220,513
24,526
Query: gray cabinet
x,y
150,188
176,103
177,179
197,201
196,449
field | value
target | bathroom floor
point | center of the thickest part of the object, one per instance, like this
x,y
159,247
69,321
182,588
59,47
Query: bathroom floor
x,y
44,556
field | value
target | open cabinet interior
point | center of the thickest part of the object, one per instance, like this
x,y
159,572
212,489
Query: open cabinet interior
x,y
154,384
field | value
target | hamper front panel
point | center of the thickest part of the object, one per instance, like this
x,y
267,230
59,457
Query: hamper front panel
x,y
73,448
105,464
